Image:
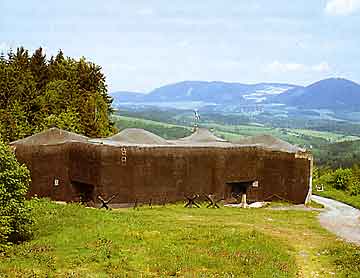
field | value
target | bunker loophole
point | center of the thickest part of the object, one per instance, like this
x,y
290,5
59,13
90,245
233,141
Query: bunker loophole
x,y
239,187
84,191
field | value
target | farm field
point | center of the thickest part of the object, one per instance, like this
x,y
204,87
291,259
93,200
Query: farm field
x,y
292,134
74,241
302,137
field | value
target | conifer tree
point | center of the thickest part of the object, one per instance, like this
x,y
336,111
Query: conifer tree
x,y
39,69
21,58
36,94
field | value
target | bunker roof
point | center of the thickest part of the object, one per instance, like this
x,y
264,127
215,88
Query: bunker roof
x,y
267,141
201,135
50,137
139,137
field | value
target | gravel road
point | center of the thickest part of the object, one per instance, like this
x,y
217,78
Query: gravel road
x,y
339,218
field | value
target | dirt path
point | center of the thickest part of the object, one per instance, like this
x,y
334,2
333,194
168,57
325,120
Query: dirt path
x,y
339,218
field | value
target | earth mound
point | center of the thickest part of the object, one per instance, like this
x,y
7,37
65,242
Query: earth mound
x,y
138,136
202,135
51,136
267,141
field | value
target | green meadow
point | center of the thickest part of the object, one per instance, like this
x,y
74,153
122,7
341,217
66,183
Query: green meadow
x,y
173,241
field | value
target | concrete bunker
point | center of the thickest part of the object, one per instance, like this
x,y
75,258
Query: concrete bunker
x,y
140,166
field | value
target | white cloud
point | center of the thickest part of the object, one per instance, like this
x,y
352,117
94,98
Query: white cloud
x,y
322,67
277,66
145,11
285,67
342,7
183,44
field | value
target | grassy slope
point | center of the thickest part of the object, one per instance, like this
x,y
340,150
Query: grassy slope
x,y
71,241
331,136
300,136
341,196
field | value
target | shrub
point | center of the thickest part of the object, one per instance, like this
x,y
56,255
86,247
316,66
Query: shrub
x,y
325,179
15,218
347,180
354,186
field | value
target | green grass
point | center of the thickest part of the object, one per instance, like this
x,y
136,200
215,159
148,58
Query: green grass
x,y
72,241
313,204
340,195
300,136
330,136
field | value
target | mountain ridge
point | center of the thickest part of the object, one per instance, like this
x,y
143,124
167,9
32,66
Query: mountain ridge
x,y
331,93
206,91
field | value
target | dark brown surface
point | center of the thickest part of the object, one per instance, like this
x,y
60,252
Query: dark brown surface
x,y
159,173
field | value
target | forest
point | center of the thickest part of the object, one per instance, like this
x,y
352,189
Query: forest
x,y
37,92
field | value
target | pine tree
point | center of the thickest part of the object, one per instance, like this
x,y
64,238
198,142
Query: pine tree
x,y
36,93
39,69
21,58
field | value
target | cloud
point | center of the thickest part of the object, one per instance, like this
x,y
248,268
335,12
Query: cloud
x,y
285,67
277,66
145,11
342,7
322,67
183,44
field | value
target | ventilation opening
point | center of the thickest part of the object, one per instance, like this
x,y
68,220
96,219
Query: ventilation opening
x,y
83,192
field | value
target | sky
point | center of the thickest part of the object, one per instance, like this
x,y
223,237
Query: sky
x,y
144,44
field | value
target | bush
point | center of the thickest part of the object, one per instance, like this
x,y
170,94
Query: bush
x,y
15,218
347,180
342,179
354,186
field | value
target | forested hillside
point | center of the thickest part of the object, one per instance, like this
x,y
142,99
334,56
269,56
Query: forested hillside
x,y
341,154
37,93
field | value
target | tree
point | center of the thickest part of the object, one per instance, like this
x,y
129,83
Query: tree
x,y
21,58
39,68
64,92
69,120
15,216
342,178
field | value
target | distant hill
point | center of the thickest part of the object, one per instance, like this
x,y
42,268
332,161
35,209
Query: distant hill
x,y
333,93
125,96
207,92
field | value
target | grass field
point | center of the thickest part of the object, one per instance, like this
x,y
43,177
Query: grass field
x,y
172,241
286,133
330,136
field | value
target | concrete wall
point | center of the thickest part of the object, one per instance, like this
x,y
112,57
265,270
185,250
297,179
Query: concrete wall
x,y
158,173
47,164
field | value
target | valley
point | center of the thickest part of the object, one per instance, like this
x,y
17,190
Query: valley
x,y
323,117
